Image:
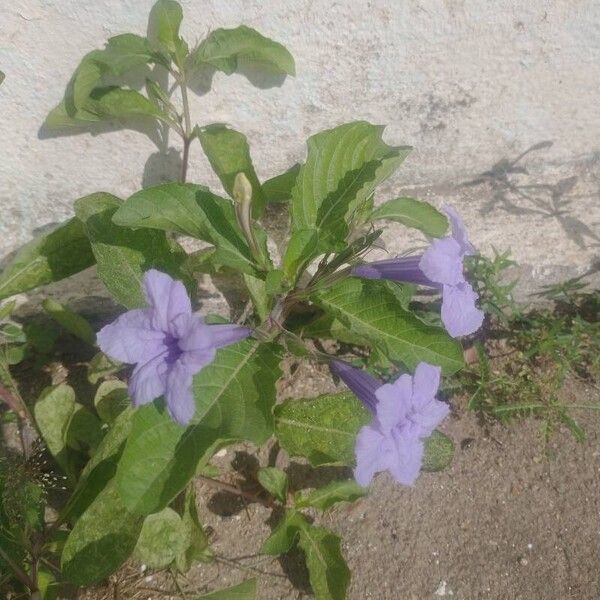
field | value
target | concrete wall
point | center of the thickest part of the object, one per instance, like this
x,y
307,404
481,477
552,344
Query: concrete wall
x,y
471,84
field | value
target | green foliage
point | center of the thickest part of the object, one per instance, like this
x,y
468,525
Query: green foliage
x,y
243,591
71,321
229,49
50,257
102,539
274,481
334,187
413,213
322,429
229,154
331,494
234,396
161,539
370,310
122,255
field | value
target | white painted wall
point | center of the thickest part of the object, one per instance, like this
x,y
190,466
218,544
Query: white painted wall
x,y
467,82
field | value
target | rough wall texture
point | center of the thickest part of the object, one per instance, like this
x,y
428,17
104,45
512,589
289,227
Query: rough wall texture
x,y
471,84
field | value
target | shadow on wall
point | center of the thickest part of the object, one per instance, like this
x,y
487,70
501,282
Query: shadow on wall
x,y
515,193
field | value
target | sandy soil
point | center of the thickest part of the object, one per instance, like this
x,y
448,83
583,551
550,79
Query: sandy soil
x,y
511,518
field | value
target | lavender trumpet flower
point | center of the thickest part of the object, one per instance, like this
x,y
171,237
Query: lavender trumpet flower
x,y
405,412
441,267
167,343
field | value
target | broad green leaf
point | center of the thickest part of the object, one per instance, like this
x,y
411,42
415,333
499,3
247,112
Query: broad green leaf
x,y
300,251
118,103
70,320
322,429
369,309
234,397
50,257
84,430
229,49
191,210
413,213
328,573
53,412
162,538
228,152
196,540
121,54
275,481
111,399
284,535
279,188
243,591
334,492
102,540
123,255
101,468
163,26
7,309
343,167
439,452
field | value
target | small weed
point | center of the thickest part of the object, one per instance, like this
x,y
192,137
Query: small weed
x,y
528,356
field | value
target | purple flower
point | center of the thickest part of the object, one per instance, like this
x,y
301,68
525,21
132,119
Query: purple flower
x,y
441,267
167,343
405,413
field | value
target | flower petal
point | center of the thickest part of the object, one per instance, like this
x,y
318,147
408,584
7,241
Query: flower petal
x,y
430,417
394,400
179,394
225,335
131,338
372,454
459,231
442,262
405,464
426,382
148,380
167,297
460,314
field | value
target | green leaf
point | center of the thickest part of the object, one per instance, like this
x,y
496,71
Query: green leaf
x,y
50,257
325,497
322,429
53,413
369,309
162,538
101,366
228,152
71,321
84,429
300,251
101,468
279,188
243,591
258,293
118,103
163,26
123,255
275,481
196,540
282,538
439,452
123,53
102,540
7,309
191,210
329,575
111,399
234,397
413,213
229,49
343,167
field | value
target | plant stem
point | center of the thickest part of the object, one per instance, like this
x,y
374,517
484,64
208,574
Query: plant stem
x,y
19,573
187,132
